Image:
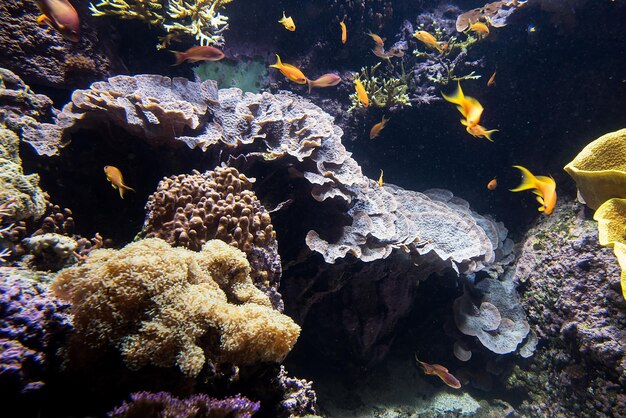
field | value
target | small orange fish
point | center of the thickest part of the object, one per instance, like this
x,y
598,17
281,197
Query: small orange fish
x,y
287,22
492,79
479,131
380,179
377,39
114,175
60,15
492,184
361,93
327,80
197,54
544,187
344,31
428,40
292,73
480,29
378,127
470,108
441,372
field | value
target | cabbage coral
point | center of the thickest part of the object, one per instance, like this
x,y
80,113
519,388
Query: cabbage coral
x,y
171,306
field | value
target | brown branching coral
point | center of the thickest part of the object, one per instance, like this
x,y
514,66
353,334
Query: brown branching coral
x,y
175,307
189,210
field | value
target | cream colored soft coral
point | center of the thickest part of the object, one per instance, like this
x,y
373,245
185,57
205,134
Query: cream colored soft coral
x,y
171,306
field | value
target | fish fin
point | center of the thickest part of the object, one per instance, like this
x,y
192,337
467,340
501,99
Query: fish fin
x,y
308,82
541,209
122,190
488,134
44,20
545,179
528,180
539,199
278,64
456,97
180,57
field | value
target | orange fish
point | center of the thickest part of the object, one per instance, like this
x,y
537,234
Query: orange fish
x,y
392,52
361,93
428,40
197,54
60,15
480,29
492,79
479,131
327,80
378,127
441,372
292,73
470,108
492,184
344,31
114,175
380,179
377,39
544,187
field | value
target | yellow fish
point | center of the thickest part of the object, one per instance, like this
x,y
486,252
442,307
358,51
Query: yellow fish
x,y
480,29
287,22
60,15
380,179
361,93
428,40
378,127
114,175
544,187
344,31
289,71
479,131
377,39
470,108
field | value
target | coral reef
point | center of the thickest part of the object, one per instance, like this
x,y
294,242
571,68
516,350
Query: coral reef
x,y
495,13
599,170
199,19
27,199
171,306
189,210
51,252
573,302
34,325
385,91
163,404
41,56
155,108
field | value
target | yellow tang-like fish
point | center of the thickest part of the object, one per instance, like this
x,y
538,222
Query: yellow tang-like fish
x,y
60,15
428,40
344,31
287,22
470,108
292,73
114,175
361,94
480,29
544,187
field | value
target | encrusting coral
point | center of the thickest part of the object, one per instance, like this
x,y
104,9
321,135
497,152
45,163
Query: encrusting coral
x,y
199,19
171,306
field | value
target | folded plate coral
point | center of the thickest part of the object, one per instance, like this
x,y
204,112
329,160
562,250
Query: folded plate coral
x,y
599,170
171,306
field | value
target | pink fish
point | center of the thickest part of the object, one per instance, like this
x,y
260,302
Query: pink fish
x,y
327,80
198,53
441,372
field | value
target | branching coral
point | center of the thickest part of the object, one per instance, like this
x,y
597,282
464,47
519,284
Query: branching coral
x,y
389,90
171,306
196,18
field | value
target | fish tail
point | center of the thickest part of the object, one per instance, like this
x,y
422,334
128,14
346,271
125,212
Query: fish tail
x,y
180,57
488,134
456,97
278,64
528,180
